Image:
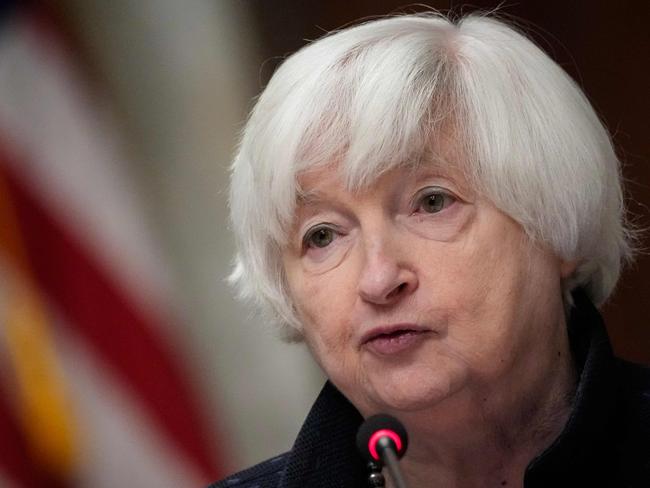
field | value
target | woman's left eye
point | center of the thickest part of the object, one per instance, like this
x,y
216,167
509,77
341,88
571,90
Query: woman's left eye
x,y
432,200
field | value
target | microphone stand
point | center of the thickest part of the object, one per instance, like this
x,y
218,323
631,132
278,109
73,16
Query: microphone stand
x,y
386,450
390,460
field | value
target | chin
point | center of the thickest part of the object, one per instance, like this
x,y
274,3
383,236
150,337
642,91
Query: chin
x,y
414,393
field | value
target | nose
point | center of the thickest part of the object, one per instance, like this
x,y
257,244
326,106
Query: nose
x,y
386,277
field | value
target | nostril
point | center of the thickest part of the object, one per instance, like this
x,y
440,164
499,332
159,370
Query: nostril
x,y
397,290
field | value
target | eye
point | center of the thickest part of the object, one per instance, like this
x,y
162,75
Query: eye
x,y
432,200
319,237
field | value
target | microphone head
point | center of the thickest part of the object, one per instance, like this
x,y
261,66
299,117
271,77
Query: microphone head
x,y
381,427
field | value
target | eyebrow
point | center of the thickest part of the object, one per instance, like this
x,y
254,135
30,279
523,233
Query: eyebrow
x,y
310,197
435,166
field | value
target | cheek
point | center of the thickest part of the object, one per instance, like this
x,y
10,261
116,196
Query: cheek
x,y
479,286
326,328
460,279
329,337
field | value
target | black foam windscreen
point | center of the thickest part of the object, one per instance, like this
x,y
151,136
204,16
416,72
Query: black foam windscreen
x,y
367,435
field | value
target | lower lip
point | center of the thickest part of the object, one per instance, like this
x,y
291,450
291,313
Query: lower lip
x,y
391,345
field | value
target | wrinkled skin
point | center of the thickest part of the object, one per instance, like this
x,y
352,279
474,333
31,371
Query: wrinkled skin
x,y
489,361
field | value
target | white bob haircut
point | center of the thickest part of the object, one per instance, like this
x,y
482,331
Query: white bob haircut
x,y
385,93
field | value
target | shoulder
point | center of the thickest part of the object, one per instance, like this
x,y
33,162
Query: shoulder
x,y
634,388
633,431
267,474
635,382
634,399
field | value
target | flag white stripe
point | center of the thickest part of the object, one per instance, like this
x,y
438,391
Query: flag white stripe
x,y
120,446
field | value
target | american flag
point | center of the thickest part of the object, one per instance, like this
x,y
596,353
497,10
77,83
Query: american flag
x,y
92,386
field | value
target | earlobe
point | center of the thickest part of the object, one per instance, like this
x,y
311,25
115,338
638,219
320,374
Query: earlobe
x,y
567,268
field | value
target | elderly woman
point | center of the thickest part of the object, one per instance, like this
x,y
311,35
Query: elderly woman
x,y
436,210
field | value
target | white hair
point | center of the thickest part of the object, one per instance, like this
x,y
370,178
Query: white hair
x,y
383,94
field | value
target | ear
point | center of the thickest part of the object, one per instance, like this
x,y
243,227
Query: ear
x,y
567,268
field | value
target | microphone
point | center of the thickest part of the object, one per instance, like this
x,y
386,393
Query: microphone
x,y
382,438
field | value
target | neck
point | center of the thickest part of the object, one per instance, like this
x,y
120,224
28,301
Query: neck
x,y
495,437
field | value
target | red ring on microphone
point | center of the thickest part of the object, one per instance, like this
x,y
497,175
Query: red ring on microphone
x,y
372,443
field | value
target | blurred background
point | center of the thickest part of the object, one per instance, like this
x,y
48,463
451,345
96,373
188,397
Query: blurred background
x,y
124,360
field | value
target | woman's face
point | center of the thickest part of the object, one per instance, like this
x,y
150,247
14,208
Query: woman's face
x,y
418,293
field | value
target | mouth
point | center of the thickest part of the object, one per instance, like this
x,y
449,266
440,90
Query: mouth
x,y
393,339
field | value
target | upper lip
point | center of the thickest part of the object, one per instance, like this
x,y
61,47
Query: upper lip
x,y
391,329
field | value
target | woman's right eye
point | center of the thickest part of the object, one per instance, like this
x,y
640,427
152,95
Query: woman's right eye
x,y
319,237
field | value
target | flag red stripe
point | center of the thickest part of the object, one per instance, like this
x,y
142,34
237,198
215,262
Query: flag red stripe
x,y
100,312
